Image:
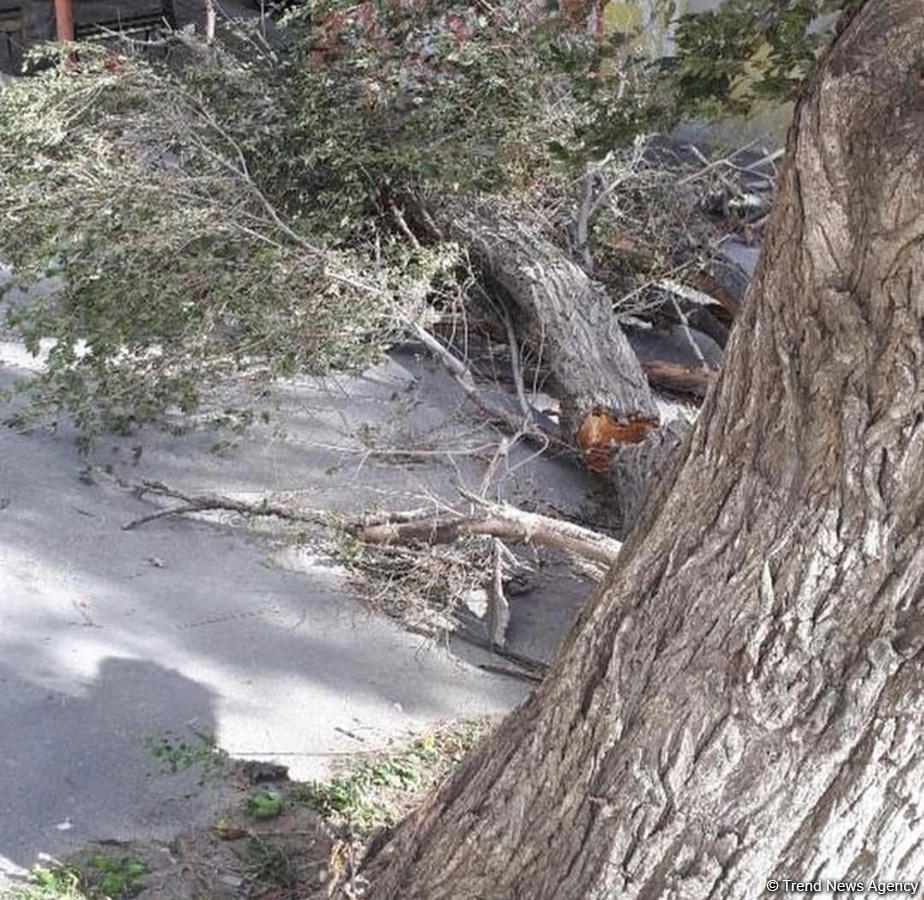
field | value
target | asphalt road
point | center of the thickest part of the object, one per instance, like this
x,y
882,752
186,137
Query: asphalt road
x,y
112,639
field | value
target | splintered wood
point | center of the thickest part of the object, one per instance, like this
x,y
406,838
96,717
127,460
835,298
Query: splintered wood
x,y
599,432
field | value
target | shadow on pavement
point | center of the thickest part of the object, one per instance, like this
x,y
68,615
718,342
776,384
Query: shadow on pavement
x,y
80,767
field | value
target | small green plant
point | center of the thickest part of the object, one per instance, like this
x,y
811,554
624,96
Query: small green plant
x,y
177,754
100,878
344,801
55,882
378,791
118,876
264,804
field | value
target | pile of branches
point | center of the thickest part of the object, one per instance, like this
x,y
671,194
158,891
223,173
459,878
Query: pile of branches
x,y
301,209
418,564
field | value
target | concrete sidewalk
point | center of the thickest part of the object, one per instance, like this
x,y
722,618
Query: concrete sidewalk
x,y
111,638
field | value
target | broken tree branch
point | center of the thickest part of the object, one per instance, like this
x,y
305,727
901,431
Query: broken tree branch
x,y
503,521
678,377
499,520
204,503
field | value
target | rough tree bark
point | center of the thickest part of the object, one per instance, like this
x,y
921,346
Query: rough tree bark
x,y
744,698
608,410
562,312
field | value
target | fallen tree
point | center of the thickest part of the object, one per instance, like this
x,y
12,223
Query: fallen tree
x,y
251,221
563,311
741,701
608,410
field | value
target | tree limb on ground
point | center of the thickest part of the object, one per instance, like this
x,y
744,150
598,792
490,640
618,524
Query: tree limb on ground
x,y
558,306
499,520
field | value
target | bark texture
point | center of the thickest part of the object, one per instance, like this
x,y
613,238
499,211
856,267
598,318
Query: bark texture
x,y
562,313
743,700
608,410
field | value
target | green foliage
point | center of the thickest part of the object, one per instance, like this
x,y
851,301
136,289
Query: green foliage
x,y
101,878
135,183
747,50
246,213
723,62
176,754
264,804
117,876
236,213
50,883
344,799
390,101
378,791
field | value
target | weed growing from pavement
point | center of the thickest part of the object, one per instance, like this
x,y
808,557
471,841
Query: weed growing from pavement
x,y
376,791
55,882
102,878
117,876
177,754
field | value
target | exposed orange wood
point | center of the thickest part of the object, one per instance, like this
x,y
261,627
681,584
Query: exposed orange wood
x,y
600,431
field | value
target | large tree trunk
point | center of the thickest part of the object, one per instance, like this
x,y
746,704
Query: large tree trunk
x,y
565,315
744,699
608,410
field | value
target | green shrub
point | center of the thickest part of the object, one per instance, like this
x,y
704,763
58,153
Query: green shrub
x,y
129,179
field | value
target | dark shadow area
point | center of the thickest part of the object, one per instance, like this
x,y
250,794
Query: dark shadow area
x,y
79,767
